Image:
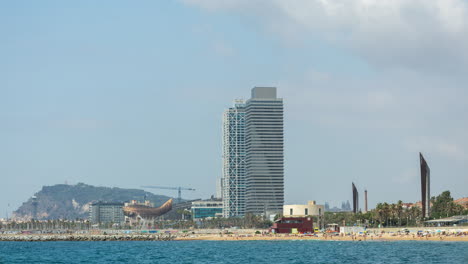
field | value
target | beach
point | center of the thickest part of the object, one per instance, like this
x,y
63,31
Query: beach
x,y
383,237
389,234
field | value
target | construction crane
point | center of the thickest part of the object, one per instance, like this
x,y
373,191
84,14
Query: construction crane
x,y
179,189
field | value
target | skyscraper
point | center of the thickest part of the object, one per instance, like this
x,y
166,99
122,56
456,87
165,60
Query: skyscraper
x,y
264,140
425,187
233,182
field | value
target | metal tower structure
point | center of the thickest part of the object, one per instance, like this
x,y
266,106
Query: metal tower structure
x,y
179,190
365,201
233,182
355,199
425,187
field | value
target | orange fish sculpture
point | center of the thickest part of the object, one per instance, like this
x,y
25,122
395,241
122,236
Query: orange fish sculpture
x,y
146,211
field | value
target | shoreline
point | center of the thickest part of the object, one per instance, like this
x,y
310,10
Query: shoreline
x,y
328,238
218,237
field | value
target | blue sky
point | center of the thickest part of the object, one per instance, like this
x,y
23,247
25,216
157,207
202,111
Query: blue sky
x,y
117,93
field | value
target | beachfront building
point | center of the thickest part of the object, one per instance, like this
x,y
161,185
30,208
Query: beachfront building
x,y
207,209
102,212
264,152
302,210
449,221
293,225
305,210
233,182
425,187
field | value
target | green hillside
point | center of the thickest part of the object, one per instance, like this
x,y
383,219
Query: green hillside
x,y
64,201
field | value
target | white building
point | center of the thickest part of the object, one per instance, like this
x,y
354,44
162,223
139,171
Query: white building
x,y
233,181
207,209
302,210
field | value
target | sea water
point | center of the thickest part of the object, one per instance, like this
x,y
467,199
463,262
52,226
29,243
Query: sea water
x,y
235,252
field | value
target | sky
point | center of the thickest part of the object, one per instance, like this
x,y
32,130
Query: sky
x,y
125,93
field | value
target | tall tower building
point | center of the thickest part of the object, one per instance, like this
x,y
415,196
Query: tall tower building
x,y
355,199
264,152
425,187
234,154
365,201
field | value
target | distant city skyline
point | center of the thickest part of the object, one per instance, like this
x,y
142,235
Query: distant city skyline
x,y
122,94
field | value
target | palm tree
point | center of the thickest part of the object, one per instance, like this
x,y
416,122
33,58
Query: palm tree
x,y
379,213
386,212
399,209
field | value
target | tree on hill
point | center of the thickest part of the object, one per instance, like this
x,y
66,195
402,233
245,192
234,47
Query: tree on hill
x,y
443,206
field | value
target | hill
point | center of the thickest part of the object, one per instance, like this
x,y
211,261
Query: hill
x,y
64,201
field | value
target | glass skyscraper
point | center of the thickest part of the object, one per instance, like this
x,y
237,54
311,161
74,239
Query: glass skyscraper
x,y
233,181
253,155
264,141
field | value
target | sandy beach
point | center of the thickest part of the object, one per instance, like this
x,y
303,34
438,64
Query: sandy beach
x,y
384,237
383,234
388,234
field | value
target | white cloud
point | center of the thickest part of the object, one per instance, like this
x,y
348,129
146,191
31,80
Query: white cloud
x,y
389,33
411,83
440,147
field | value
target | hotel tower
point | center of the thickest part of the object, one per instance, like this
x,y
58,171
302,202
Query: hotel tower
x,y
253,170
233,181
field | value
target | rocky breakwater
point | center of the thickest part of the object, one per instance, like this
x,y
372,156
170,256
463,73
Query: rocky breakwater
x,y
86,237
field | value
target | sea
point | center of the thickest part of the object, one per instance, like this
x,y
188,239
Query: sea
x,y
294,251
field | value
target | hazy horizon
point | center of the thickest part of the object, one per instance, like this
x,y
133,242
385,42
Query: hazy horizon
x,y
121,94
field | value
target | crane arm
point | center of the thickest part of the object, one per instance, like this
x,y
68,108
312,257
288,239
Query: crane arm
x,y
168,188
160,187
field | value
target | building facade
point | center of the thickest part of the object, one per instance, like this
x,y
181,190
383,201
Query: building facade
x,y
293,225
305,210
207,209
425,187
302,210
234,153
264,152
102,212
